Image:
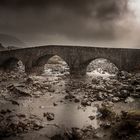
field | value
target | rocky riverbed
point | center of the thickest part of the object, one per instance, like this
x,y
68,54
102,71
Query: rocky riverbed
x,y
103,105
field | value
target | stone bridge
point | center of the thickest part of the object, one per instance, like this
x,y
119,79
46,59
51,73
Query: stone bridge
x,y
77,57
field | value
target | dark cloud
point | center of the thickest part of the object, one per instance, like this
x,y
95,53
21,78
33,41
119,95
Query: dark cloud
x,y
98,8
74,19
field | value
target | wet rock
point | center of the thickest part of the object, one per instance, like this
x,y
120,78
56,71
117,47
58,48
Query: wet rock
x,y
51,89
100,88
37,125
115,99
106,125
21,115
14,102
50,116
42,107
5,111
55,104
37,94
124,74
20,90
129,100
74,134
95,81
135,95
89,132
69,97
86,133
29,80
85,102
138,89
124,93
76,100
107,112
15,126
135,82
91,117
100,96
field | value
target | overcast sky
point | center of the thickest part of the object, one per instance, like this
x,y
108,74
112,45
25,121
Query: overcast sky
x,y
79,22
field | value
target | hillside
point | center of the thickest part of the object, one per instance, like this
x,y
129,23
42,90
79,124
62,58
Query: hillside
x,y
8,40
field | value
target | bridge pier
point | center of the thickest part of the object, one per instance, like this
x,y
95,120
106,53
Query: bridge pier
x,y
34,70
38,70
78,71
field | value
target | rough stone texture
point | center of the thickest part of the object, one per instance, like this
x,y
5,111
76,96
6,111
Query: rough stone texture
x,y
77,57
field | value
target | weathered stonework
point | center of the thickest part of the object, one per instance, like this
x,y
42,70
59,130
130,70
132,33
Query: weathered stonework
x,y
77,57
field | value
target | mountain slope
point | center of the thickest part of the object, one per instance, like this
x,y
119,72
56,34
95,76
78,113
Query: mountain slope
x,y
8,40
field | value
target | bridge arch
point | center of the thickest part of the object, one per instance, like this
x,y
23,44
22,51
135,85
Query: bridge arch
x,y
43,62
12,63
57,65
102,65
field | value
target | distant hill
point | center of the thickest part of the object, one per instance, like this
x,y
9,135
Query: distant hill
x,y
8,40
2,47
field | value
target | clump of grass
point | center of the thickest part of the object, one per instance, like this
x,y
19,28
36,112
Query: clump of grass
x,y
107,113
128,126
